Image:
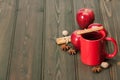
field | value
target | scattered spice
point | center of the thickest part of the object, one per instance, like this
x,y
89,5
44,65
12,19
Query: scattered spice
x,y
64,32
72,51
65,47
96,69
105,65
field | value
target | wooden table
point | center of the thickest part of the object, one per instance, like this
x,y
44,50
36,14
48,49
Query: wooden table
x,y
28,29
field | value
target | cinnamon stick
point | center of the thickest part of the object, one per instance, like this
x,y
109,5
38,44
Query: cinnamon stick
x,y
67,39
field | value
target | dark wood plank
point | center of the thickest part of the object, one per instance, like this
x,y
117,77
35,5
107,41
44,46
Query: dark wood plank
x,y
58,65
7,22
116,19
111,18
96,5
81,70
26,63
28,31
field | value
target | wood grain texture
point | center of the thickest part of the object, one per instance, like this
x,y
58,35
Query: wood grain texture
x,y
110,13
96,6
7,22
29,28
58,65
26,63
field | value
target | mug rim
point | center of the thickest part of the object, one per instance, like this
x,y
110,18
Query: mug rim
x,y
100,32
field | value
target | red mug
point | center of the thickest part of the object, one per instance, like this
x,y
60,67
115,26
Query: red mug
x,y
92,47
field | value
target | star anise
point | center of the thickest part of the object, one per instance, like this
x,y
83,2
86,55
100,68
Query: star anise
x,y
72,51
96,69
65,47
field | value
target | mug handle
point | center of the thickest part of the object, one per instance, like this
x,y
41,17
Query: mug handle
x,y
115,47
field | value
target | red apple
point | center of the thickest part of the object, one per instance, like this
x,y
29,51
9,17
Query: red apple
x,y
97,25
75,40
85,17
